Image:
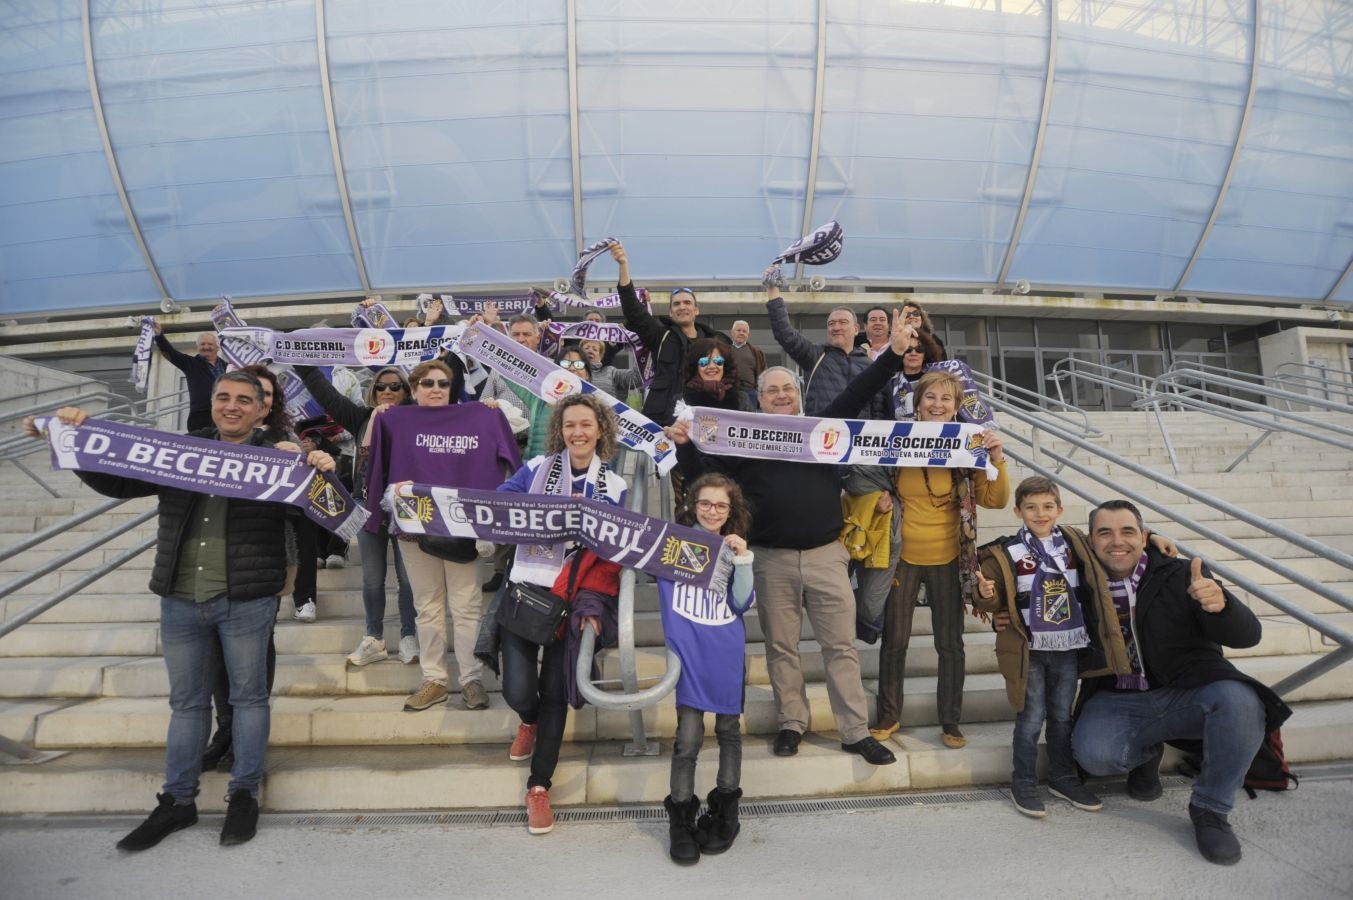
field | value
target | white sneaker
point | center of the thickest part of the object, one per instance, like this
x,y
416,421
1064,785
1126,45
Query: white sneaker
x,y
335,562
368,651
408,649
306,611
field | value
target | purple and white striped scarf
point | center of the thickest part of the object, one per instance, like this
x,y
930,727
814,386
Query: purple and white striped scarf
x,y
816,249
140,377
555,334
1055,618
1124,594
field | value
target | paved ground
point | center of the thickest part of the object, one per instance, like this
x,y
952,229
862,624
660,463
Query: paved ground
x,y
1297,845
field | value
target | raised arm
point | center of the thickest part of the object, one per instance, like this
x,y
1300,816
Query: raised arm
x,y
637,317
352,416
799,348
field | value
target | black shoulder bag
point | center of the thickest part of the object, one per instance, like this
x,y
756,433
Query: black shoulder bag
x,y
535,613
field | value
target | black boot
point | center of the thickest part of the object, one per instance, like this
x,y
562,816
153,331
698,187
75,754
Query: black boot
x,y
217,749
163,821
685,851
718,827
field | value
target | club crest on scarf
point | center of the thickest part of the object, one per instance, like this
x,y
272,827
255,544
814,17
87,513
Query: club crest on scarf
x,y
373,346
976,442
685,555
1056,601
709,429
410,510
325,498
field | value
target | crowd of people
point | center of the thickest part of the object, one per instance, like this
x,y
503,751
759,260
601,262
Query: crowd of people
x,y
1103,637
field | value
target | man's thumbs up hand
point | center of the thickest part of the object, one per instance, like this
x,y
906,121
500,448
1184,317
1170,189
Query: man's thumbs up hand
x,y
1204,590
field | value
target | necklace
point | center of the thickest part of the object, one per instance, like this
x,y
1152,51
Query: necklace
x,y
941,500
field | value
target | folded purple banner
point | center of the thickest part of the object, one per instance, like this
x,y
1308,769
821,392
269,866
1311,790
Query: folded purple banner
x,y
204,466
663,549
816,249
545,378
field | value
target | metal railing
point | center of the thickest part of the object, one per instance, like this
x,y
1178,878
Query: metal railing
x,y
1185,386
633,700
1328,630
1318,378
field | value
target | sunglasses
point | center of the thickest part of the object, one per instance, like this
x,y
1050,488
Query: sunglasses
x,y
435,383
576,364
389,386
709,360
684,291
914,350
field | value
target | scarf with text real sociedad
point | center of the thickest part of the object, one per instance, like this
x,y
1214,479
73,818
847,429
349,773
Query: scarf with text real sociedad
x,y
663,549
376,347
876,442
204,466
544,377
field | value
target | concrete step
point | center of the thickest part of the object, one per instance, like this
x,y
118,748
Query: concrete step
x,y
480,775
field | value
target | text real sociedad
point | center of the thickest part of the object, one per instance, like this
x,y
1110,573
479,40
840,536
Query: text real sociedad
x,y
863,441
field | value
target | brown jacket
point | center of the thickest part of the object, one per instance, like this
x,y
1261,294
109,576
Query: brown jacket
x,y
1106,655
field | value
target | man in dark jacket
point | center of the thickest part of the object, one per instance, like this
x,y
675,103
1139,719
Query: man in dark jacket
x,y
1174,621
827,368
200,371
800,565
219,566
666,337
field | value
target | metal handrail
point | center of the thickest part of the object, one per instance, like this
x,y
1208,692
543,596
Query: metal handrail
x,y
1320,625
61,527
632,700
72,555
1324,380
1033,401
1152,398
76,586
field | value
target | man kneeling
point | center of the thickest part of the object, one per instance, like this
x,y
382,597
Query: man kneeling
x,y
1174,622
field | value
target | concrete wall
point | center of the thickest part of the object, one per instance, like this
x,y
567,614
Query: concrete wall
x,y
1328,348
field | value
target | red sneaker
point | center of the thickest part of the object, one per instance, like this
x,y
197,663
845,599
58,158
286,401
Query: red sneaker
x,y
524,744
539,816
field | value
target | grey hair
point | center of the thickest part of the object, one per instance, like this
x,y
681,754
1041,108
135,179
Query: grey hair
x,y
846,309
530,320
761,379
210,334
741,322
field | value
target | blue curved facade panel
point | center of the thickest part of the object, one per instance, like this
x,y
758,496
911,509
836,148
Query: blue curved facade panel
x,y
928,127
216,117
64,239
1286,227
453,118
1144,114
695,125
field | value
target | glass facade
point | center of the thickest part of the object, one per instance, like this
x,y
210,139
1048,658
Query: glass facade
x,y
1139,146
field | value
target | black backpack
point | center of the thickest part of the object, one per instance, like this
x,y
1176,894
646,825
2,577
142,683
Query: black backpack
x,y
1268,772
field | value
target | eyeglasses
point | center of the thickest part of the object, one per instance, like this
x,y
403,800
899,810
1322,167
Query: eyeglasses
x,y
716,506
914,350
390,386
575,364
777,391
709,360
435,383
911,314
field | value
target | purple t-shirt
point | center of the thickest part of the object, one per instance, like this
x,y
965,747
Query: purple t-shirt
x,y
711,641
465,445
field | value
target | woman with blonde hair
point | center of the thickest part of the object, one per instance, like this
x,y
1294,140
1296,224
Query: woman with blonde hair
x,y
939,550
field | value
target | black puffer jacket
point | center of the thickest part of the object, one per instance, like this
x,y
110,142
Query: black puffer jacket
x,y
256,563
826,369
668,344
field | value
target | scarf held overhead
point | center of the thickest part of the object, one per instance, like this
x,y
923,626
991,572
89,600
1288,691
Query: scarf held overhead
x,y
725,432
204,466
971,407
140,376
556,333
816,249
544,378
663,549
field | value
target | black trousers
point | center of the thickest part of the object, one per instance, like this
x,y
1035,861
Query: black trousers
x,y
535,686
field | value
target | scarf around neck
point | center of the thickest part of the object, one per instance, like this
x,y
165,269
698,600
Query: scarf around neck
x,y
1055,618
542,563
1124,594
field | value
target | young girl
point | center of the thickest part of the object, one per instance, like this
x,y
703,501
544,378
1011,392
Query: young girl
x,y
706,633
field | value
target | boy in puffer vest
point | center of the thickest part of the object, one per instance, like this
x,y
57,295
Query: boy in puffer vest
x,y
1054,591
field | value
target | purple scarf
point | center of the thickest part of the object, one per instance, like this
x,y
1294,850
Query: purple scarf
x,y
140,377
1124,594
1055,618
816,249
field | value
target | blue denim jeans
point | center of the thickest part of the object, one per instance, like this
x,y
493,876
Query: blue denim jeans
x,y
1118,731
1048,695
243,628
372,548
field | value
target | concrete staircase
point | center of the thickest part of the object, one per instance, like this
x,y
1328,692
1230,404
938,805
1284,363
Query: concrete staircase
x,y
86,677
